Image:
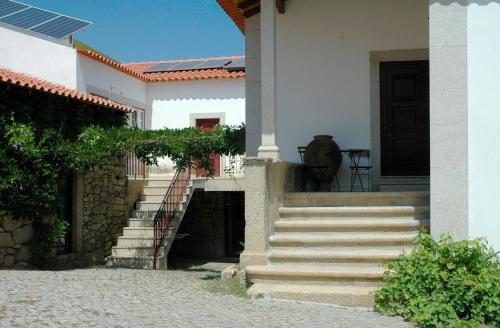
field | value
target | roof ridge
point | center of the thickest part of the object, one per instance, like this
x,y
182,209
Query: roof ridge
x,y
183,60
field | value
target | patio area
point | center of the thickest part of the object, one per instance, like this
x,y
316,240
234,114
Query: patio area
x,y
136,298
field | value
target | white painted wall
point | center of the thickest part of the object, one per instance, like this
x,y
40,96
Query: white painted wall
x,y
323,65
483,29
95,77
172,103
48,60
175,104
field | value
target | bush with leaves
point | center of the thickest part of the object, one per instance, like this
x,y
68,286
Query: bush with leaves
x,y
443,284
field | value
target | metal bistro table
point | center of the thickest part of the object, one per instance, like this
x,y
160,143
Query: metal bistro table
x,y
359,168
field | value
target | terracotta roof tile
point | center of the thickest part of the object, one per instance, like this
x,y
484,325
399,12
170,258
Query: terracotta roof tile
x,y
27,81
186,75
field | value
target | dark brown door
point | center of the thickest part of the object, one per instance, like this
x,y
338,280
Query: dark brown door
x,y
404,103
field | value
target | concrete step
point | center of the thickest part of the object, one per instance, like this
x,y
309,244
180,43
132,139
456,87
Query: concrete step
x,y
326,199
346,295
138,232
333,272
134,251
135,262
328,255
355,211
149,190
314,239
159,182
343,224
128,242
137,223
156,198
154,206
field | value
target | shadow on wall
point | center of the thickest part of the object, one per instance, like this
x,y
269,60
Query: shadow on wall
x,y
202,90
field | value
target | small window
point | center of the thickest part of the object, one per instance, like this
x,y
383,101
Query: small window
x,y
136,119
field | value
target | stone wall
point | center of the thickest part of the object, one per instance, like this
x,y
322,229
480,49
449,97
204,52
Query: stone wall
x,y
14,237
104,210
99,215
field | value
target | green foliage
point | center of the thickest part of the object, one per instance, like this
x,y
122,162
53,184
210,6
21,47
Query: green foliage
x,y
443,284
46,237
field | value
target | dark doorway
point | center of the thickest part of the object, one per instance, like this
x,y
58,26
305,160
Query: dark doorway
x,y
65,213
234,218
404,117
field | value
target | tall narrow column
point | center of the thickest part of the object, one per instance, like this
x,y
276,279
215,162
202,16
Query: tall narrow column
x,y
448,118
269,146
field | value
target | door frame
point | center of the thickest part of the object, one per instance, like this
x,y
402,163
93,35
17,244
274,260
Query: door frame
x,y
377,57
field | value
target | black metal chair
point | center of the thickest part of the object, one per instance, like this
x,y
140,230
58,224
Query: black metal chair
x,y
360,167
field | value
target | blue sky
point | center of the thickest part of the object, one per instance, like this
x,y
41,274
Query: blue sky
x,y
141,30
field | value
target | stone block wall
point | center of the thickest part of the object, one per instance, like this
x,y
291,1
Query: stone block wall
x,y
99,215
104,210
14,238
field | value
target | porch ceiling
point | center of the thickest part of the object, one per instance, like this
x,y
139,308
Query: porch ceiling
x,y
238,10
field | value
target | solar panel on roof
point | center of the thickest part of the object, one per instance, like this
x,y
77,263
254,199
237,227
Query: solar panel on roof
x,y
38,20
162,67
236,65
28,18
213,63
188,65
60,27
8,7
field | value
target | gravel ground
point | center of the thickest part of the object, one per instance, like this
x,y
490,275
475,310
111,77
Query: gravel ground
x,y
101,297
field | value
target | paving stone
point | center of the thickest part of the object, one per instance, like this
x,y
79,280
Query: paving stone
x,y
101,297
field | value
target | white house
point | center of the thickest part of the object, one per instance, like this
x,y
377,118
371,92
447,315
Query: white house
x,y
414,82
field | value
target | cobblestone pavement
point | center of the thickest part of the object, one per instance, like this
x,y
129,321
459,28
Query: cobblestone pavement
x,y
135,298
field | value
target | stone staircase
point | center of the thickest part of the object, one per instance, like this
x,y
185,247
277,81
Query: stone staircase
x,y
331,247
134,249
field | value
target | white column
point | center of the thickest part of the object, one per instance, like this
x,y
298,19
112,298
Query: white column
x,y
269,146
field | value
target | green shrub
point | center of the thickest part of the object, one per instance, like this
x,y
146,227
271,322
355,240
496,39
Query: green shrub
x,y
443,284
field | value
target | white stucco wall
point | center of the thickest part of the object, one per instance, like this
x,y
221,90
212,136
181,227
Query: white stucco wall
x,y
95,77
483,55
178,104
172,103
323,65
48,60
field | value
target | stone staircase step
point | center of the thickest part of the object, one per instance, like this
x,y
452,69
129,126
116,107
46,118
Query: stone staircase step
x,y
346,295
135,242
158,199
322,199
134,251
317,256
152,190
137,223
322,273
135,262
138,232
348,224
154,206
355,211
311,239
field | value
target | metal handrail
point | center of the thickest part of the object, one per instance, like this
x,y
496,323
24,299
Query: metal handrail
x,y
169,208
